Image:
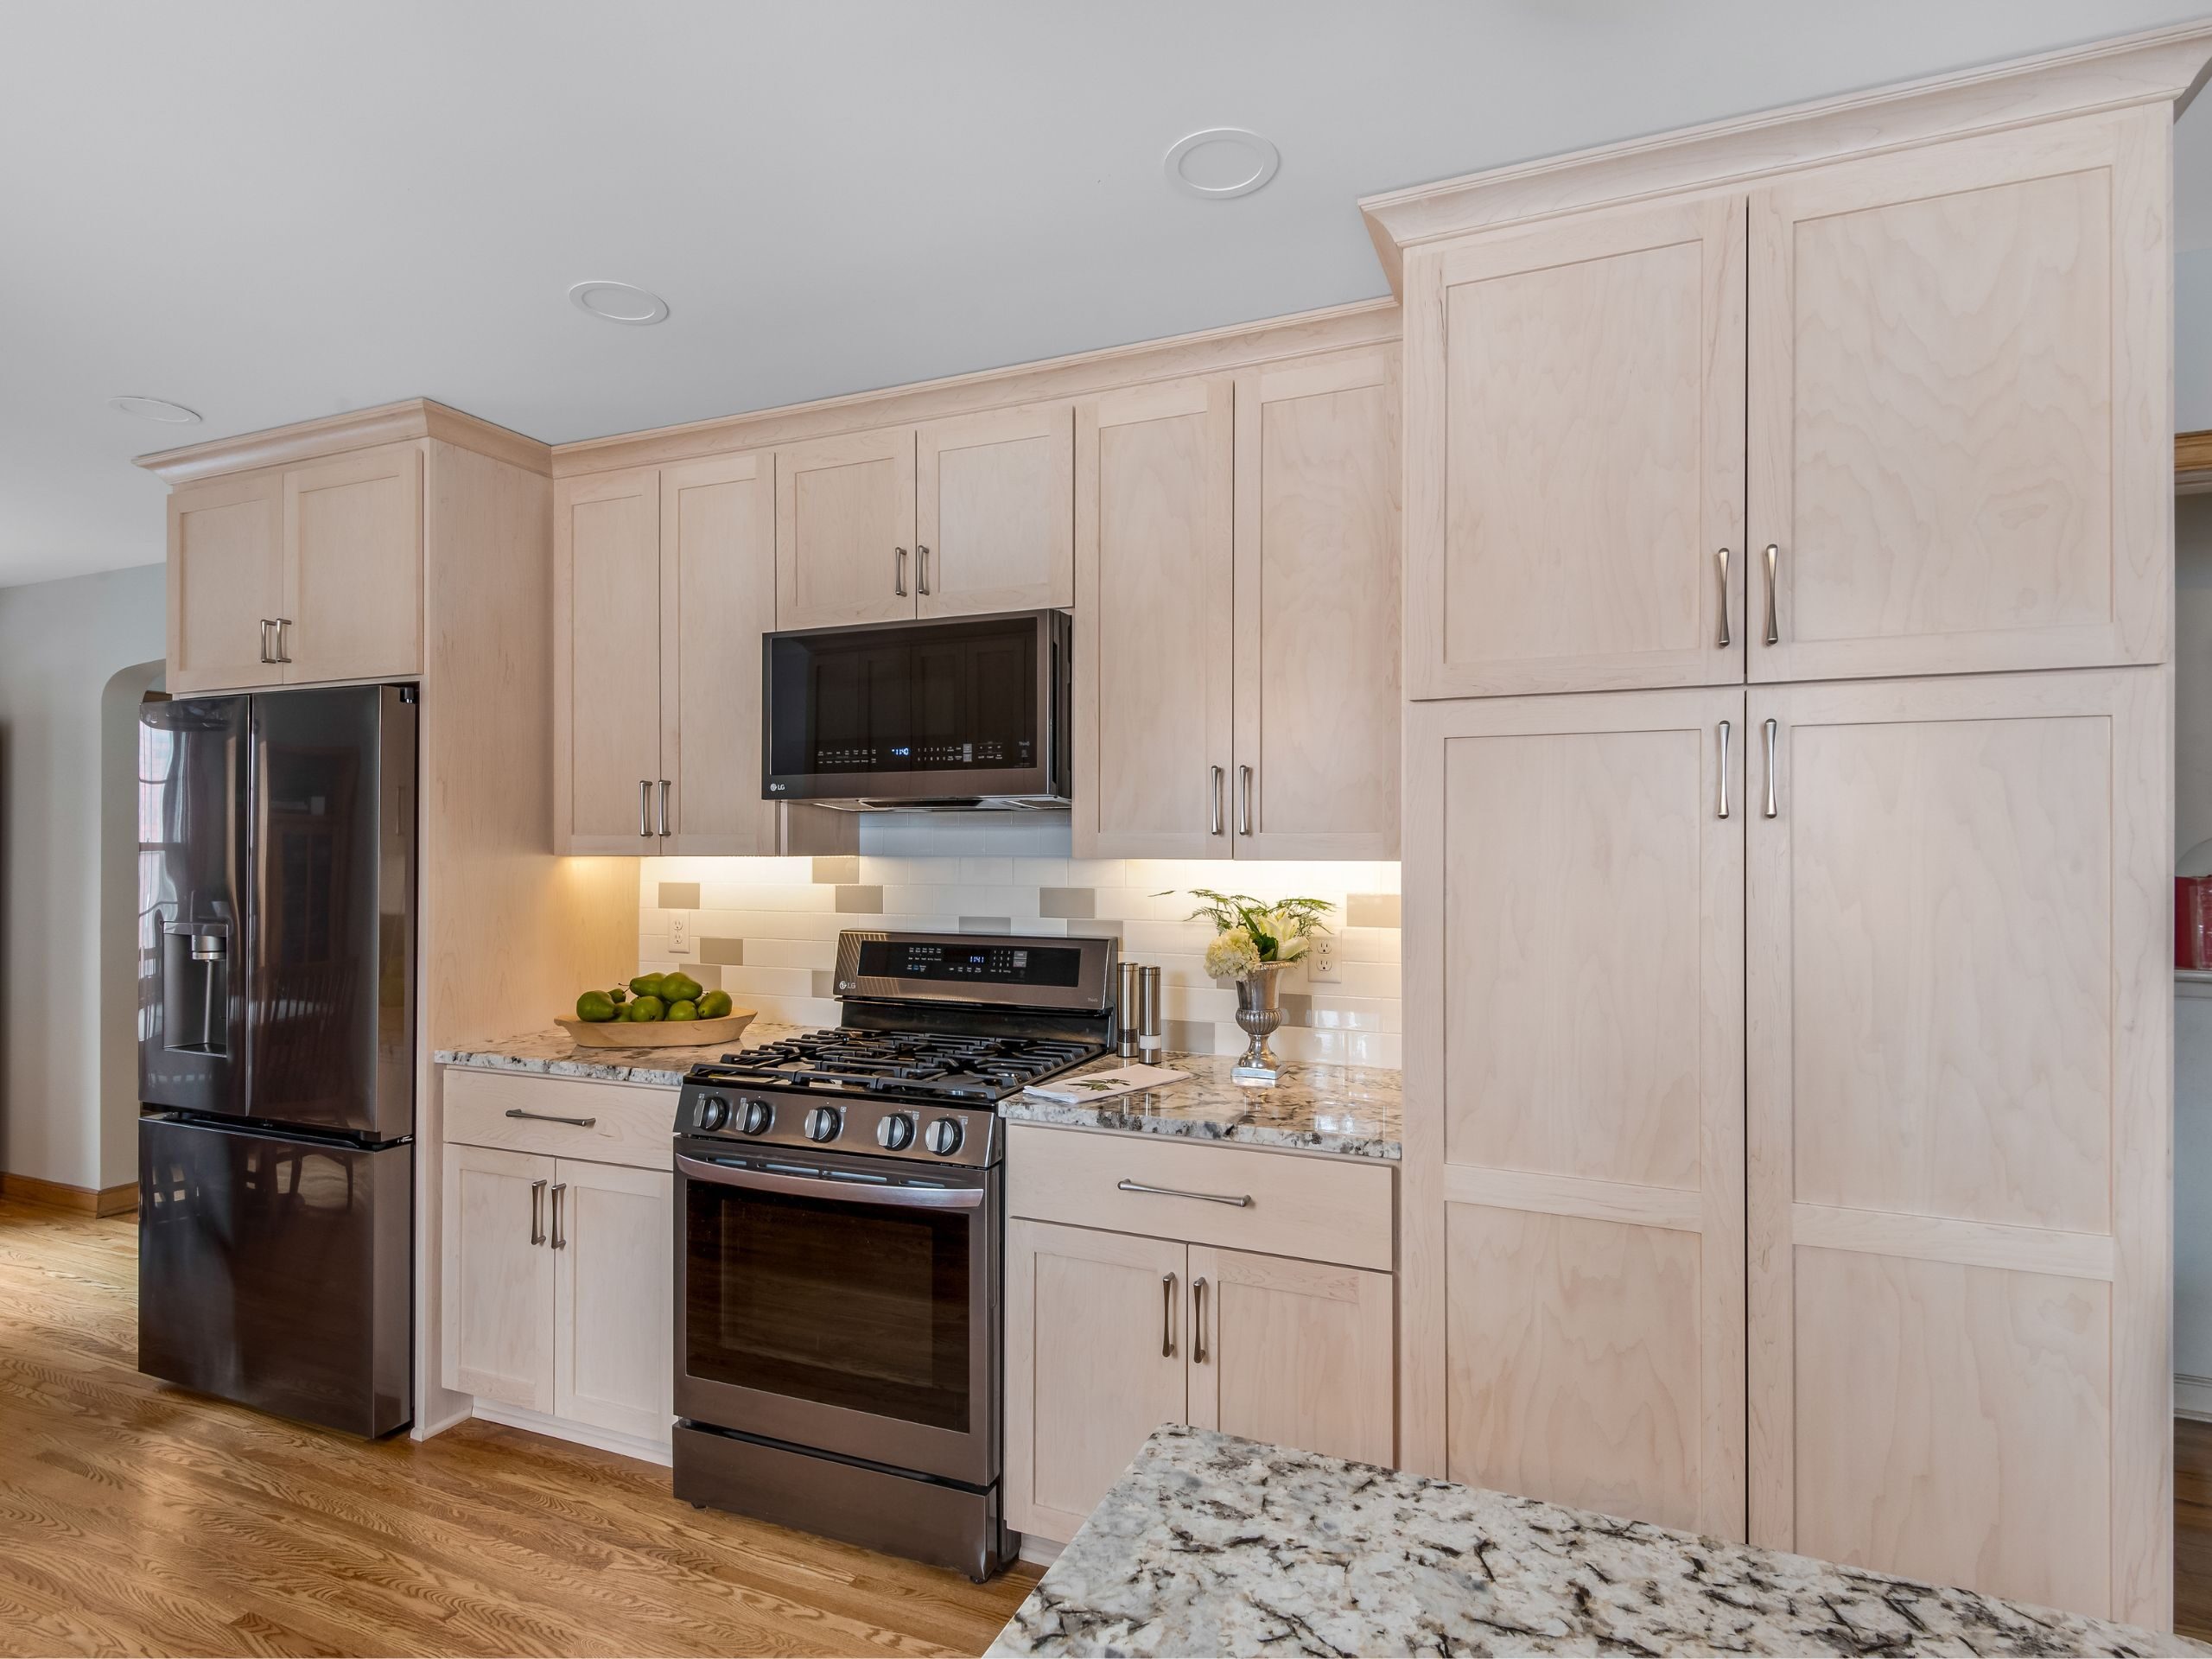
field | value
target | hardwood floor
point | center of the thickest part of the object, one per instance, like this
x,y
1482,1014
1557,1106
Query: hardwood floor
x,y
2193,1529
137,1518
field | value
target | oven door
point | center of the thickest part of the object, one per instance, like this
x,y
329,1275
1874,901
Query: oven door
x,y
844,1305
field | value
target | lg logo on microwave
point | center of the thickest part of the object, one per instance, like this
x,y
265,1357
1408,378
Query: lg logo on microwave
x,y
775,788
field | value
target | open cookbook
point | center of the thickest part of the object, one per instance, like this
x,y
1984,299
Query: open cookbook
x,y
1106,1085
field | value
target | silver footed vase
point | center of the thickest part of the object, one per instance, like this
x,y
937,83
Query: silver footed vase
x,y
1259,1011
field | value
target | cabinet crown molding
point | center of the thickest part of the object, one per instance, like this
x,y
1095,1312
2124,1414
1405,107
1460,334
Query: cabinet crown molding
x,y
415,417
2160,65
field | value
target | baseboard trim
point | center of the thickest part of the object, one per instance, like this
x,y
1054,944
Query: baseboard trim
x,y
60,1195
2193,1397
1040,1552
423,1431
560,1428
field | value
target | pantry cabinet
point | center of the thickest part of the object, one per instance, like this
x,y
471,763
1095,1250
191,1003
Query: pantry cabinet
x,y
298,576
1136,1296
1237,641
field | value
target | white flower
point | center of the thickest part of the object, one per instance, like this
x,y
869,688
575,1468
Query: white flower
x,y
1232,955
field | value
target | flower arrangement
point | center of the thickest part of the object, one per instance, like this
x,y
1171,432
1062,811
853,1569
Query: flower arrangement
x,y
1250,934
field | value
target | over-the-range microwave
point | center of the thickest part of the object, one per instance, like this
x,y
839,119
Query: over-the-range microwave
x,y
967,714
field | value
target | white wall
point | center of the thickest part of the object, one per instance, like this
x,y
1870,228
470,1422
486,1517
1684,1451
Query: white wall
x,y
61,644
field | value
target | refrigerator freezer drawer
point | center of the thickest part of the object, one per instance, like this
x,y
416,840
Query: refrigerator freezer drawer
x,y
276,1272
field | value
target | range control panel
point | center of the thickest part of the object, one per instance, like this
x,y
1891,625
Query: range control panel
x,y
928,1133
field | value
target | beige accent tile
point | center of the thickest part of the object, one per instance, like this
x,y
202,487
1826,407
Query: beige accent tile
x,y
730,953
1189,1037
1080,929
987,924
842,870
859,901
823,981
1371,910
679,895
1076,904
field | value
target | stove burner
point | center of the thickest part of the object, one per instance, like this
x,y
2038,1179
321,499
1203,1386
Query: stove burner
x,y
902,1065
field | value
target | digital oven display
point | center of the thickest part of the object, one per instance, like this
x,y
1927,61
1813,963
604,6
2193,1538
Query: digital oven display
x,y
974,964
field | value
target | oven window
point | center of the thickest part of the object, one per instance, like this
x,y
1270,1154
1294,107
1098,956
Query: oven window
x,y
838,1303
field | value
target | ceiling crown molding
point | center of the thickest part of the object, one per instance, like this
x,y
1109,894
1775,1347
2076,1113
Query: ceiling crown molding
x,y
416,417
2166,64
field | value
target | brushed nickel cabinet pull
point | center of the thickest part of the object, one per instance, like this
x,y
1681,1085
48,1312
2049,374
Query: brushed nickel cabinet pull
x,y
1197,1321
664,806
548,1117
538,1212
1244,800
1726,638
1773,628
645,807
1167,1316
1724,768
1217,775
899,573
1239,1200
560,1239
922,570
267,654
284,639
1773,811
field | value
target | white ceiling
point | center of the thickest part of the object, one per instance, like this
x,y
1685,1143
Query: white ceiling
x,y
272,211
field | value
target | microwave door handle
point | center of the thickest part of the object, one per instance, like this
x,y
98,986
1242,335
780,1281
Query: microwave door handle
x,y
896,1198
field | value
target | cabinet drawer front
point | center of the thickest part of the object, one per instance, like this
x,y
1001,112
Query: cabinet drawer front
x,y
629,1123
1320,1208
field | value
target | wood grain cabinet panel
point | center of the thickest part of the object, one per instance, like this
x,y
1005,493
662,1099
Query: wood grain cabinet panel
x,y
1316,642
1958,1120
354,567
1154,621
995,511
1960,433
1094,1364
613,1321
606,679
225,582
1296,1353
845,530
498,1276
1572,1247
1574,428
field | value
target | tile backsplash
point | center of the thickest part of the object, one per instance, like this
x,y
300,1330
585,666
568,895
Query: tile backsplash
x,y
766,929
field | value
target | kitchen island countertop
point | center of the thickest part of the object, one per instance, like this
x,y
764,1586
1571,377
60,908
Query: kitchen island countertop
x,y
1209,1544
1354,1110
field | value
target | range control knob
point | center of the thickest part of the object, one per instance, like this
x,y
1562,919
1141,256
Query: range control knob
x,y
896,1132
754,1117
823,1123
714,1112
943,1137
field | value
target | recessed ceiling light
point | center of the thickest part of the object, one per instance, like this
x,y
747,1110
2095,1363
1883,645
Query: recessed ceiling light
x,y
156,409
1221,161
619,302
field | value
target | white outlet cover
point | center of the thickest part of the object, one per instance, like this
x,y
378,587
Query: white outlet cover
x,y
1321,961
679,933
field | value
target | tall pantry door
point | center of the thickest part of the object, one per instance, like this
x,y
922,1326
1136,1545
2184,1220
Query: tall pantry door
x,y
1959,1072
1573,1246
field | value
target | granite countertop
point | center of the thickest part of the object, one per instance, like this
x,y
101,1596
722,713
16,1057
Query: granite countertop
x,y
553,1053
1354,1109
1214,1545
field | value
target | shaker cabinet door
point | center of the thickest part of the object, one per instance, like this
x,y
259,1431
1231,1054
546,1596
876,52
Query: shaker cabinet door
x,y
613,1321
607,676
354,567
226,583
497,1275
845,530
1574,432
1961,446
994,513
1094,1363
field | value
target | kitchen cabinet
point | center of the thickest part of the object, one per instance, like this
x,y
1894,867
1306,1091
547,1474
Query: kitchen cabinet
x,y
1574,1231
298,576
613,1324
1960,1130
845,530
1140,1301
657,572
499,1275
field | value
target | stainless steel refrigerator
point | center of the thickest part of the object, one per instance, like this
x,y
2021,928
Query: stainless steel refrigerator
x,y
276,1050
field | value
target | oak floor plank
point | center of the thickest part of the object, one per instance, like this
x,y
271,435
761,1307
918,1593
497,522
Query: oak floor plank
x,y
137,1518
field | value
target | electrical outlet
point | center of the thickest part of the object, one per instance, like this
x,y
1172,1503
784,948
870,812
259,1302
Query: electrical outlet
x,y
1321,960
679,932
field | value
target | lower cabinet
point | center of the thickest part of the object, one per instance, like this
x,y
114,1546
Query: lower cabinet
x,y
556,1276
1110,1335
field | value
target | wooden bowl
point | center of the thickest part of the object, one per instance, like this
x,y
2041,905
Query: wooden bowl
x,y
659,1033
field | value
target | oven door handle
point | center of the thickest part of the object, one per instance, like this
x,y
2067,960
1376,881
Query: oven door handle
x,y
901,1197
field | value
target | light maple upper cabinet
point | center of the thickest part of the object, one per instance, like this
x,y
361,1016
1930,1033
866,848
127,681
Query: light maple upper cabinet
x,y
354,567
1960,431
657,570
225,582
995,511
845,530
1960,1133
1572,1227
1574,431
1315,645
1154,621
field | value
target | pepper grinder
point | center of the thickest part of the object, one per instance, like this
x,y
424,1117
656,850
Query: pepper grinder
x,y
1150,1042
1131,978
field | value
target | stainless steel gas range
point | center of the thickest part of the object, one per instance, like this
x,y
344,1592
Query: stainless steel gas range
x,y
840,1248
